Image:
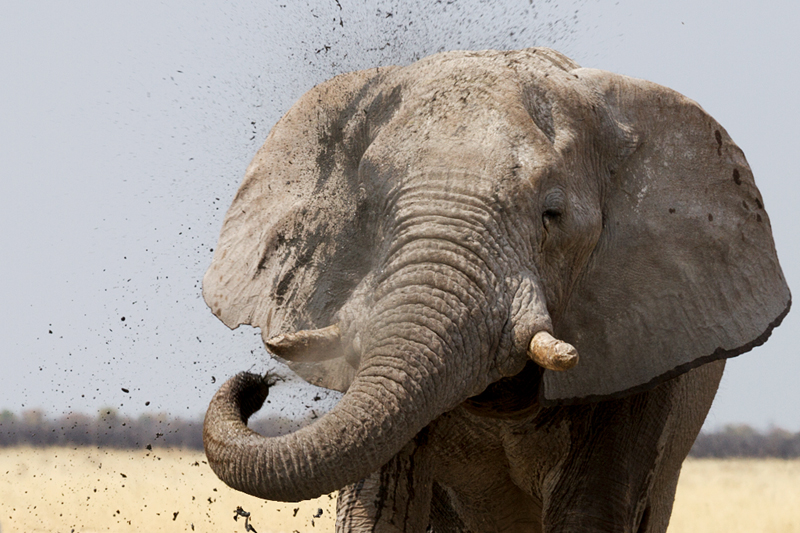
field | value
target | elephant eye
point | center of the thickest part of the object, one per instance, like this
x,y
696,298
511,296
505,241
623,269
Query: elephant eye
x,y
549,218
553,207
552,212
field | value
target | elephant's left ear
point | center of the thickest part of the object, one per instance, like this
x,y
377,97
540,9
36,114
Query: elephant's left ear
x,y
685,271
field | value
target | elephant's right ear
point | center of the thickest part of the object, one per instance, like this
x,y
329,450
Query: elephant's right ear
x,y
296,239
685,271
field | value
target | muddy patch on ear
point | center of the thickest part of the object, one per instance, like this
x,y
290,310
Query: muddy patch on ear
x,y
511,398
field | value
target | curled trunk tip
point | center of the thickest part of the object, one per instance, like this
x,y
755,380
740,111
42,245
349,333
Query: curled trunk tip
x,y
245,393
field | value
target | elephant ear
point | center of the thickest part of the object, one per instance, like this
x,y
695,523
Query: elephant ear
x,y
685,271
295,241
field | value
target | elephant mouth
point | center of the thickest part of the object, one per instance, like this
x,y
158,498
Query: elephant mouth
x,y
514,397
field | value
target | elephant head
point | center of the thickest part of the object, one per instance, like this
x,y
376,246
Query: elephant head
x,y
414,235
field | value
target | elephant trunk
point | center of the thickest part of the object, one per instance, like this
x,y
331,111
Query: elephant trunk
x,y
403,383
345,445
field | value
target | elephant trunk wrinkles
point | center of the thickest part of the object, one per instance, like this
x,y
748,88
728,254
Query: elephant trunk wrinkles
x,y
402,384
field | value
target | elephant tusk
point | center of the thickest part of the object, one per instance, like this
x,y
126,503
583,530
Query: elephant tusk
x,y
311,345
551,353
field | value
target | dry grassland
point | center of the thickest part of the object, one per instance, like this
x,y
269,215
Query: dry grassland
x,y
87,490
738,496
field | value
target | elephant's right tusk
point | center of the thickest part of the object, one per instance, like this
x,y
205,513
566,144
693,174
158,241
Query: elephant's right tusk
x,y
551,353
309,345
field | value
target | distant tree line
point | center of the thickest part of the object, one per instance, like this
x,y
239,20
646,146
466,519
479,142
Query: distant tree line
x,y
112,430
744,441
107,429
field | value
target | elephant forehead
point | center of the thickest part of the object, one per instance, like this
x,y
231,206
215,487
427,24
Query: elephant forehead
x,y
492,109
488,80
489,64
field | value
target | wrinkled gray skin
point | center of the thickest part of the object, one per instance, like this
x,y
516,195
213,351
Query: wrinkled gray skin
x,y
442,214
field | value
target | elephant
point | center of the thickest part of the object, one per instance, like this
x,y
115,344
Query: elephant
x,y
525,276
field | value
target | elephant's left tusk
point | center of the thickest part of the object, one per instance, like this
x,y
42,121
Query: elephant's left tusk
x,y
551,353
310,345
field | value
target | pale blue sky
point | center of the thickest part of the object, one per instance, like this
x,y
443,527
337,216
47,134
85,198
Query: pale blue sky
x,y
125,129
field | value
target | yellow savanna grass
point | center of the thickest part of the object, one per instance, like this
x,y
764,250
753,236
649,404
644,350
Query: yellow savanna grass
x,y
738,496
90,489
